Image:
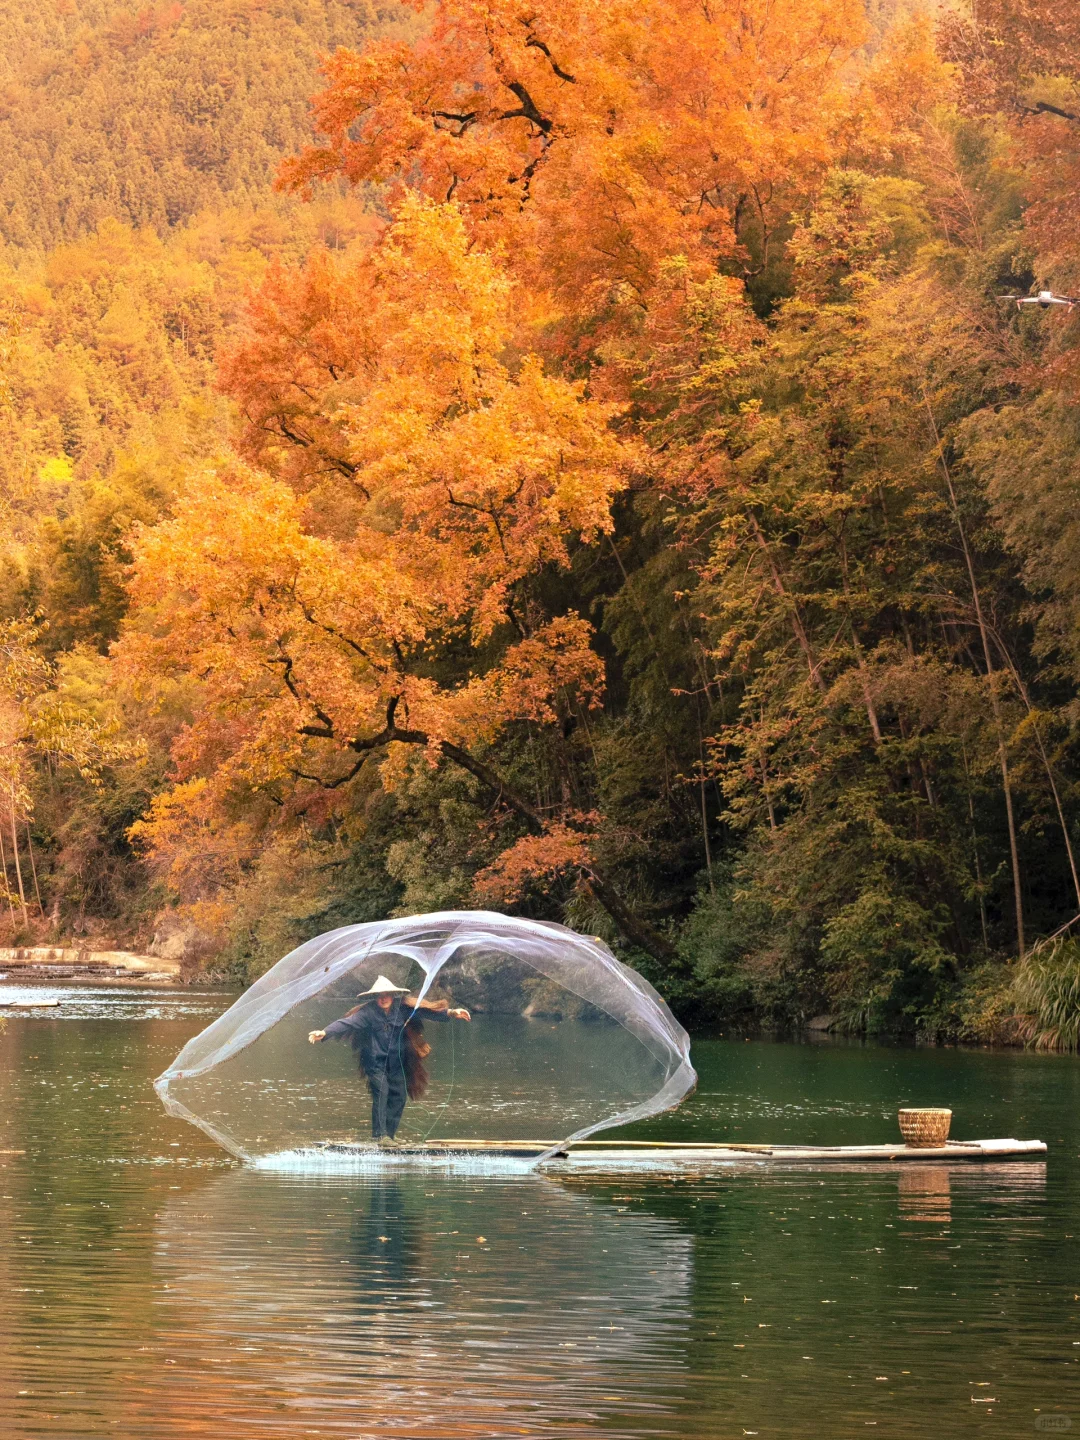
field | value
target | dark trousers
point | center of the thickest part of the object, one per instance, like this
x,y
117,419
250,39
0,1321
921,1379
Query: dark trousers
x,y
388,1096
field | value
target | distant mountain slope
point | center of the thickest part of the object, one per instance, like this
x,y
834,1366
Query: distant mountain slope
x,y
150,115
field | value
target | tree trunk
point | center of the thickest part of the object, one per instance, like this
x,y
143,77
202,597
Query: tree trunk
x,y
634,929
1022,689
637,931
975,852
33,867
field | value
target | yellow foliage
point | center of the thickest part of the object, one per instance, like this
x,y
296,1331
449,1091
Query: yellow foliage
x,y
310,618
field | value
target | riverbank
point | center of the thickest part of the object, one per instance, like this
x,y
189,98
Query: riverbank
x,y
45,965
1035,1004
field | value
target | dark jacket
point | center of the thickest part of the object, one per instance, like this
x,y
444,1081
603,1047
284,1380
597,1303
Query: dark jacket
x,y
376,1034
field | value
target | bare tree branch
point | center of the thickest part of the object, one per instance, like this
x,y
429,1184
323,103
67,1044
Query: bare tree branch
x,y
534,43
634,929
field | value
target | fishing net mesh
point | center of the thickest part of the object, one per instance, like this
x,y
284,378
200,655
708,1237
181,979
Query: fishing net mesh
x,y
564,1040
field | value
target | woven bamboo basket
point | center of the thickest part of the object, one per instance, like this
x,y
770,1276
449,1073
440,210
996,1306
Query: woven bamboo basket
x,y
924,1129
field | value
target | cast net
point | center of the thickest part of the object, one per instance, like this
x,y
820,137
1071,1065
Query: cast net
x,y
563,1040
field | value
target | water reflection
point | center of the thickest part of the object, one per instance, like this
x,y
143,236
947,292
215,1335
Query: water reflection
x,y
925,1194
423,1306
147,1292
106,1002
926,1191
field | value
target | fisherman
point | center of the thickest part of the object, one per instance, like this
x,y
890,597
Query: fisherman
x,y
386,1034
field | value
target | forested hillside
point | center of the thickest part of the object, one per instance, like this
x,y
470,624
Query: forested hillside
x,y
149,114
605,481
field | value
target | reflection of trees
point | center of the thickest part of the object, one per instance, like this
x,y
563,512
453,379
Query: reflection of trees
x,y
826,1262
73,1268
371,1306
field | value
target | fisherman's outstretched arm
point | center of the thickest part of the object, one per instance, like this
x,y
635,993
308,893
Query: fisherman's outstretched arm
x,y
334,1031
437,1009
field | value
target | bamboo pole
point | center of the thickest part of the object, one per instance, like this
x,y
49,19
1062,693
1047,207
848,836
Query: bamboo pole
x,y
33,867
792,606
860,662
18,867
975,850
7,887
1034,718
995,703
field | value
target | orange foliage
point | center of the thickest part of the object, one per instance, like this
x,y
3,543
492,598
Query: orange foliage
x,y
195,848
380,386
716,211
126,28
423,485
536,857
595,137
374,570
906,78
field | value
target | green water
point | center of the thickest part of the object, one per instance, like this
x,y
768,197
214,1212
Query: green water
x,y
151,1288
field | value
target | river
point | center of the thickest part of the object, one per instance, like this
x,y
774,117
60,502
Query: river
x,y
153,1288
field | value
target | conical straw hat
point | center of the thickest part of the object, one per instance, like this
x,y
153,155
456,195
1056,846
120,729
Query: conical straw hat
x,y
383,986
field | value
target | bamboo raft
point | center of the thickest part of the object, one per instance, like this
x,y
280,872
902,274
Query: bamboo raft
x,y
618,1154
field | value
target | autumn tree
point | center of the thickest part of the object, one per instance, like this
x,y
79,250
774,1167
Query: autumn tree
x,y
594,139
374,588
880,752
1020,63
748,610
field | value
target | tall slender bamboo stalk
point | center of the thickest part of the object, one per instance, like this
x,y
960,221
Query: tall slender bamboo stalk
x,y
7,887
797,626
658,651
18,867
860,661
995,703
1034,718
975,850
33,867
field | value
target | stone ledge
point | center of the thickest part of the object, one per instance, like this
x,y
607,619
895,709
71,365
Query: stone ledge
x,y
49,962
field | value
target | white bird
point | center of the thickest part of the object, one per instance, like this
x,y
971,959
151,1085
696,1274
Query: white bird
x,y
1044,299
